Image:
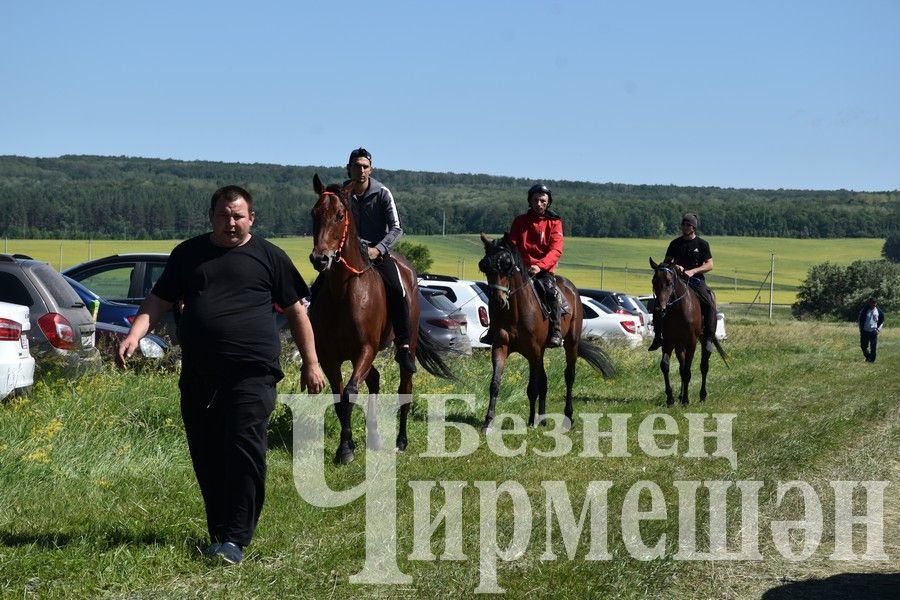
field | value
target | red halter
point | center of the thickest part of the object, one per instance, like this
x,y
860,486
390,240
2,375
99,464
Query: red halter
x,y
344,240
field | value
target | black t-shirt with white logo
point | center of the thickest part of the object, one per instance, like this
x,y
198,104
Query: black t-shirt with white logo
x,y
689,254
228,322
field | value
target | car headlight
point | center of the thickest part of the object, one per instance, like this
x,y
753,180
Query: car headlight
x,y
151,349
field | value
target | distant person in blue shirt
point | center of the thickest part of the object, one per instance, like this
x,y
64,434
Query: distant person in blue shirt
x,y
871,320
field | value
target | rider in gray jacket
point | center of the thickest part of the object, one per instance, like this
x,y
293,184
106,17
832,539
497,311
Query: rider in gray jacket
x,y
379,229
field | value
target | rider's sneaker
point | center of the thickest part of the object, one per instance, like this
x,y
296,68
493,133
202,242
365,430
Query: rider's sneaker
x,y
555,341
710,344
405,360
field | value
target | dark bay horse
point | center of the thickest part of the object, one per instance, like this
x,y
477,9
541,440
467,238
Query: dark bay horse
x,y
682,326
350,319
519,324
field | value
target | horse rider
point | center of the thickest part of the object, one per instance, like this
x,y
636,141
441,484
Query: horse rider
x,y
692,258
378,224
538,235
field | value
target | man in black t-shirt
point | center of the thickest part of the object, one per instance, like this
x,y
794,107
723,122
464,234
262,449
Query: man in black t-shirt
x,y
692,258
227,282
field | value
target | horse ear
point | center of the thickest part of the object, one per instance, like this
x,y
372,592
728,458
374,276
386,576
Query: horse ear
x,y
345,191
317,185
485,240
653,265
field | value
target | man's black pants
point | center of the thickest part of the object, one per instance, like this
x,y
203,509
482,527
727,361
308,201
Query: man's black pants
x,y
397,309
868,341
707,305
226,427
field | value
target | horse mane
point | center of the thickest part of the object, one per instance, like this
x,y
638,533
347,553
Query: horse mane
x,y
518,265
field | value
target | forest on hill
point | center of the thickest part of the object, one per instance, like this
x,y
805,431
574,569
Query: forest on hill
x,y
101,197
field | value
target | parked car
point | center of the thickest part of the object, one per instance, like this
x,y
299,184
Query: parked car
x,y
468,297
720,317
116,313
444,322
110,335
16,362
601,321
61,324
621,303
125,279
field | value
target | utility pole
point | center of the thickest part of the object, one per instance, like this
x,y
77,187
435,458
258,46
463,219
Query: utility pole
x,y
771,285
444,225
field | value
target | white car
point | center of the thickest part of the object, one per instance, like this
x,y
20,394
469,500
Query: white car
x,y
720,317
16,362
468,297
600,321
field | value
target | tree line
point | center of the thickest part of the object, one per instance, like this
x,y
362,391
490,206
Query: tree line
x,y
81,197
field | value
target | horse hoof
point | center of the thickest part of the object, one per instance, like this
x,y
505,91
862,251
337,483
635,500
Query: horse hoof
x,y
344,454
373,441
402,443
670,401
568,424
488,427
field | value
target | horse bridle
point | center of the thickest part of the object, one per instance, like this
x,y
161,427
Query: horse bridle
x,y
497,286
675,280
339,252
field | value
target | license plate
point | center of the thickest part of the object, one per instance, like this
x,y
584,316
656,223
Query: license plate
x,y
87,341
24,340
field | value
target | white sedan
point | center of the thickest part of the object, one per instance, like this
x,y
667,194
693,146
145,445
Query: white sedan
x,y
600,321
16,362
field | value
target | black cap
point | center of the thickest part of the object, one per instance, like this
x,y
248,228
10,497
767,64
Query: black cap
x,y
359,153
690,218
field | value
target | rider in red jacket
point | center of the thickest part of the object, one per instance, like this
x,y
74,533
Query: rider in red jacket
x,y
538,235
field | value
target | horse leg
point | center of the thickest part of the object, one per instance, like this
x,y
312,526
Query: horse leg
x,y
664,367
685,361
537,391
498,358
571,359
373,384
405,391
704,369
344,409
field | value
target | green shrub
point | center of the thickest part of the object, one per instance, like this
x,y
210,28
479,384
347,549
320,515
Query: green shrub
x,y
833,291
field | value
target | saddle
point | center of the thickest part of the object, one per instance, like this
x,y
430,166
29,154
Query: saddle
x,y
563,304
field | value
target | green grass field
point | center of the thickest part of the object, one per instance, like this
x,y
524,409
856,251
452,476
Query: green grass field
x,y
98,499
741,264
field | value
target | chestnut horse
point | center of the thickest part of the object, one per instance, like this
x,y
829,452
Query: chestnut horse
x,y
681,327
350,319
519,324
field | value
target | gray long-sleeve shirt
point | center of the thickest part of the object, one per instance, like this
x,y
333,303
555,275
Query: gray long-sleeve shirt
x,y
376,216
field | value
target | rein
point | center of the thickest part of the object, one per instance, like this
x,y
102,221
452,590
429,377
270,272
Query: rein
x,y
340,255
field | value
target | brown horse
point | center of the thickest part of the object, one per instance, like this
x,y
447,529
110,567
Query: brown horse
x,y
681,327
350,319
519,324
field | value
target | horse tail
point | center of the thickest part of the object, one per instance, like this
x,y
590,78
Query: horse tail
x,y
721,351
596,357
427,354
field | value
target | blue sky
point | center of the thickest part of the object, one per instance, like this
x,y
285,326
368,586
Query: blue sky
x,y
766,94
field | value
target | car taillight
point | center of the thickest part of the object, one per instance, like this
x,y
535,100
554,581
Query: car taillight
x,y
444,323
621,311
483,316
628,326
641,316
57,330
10,331
130,319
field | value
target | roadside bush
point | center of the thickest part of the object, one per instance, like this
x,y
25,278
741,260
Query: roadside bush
x,y
417,254
833,291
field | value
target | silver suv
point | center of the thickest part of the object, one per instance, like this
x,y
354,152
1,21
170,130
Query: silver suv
x,y
61,324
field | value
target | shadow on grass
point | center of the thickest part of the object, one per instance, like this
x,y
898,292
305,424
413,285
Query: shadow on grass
x,y
858,586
